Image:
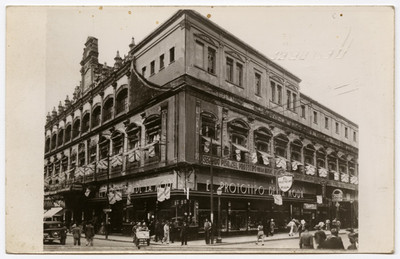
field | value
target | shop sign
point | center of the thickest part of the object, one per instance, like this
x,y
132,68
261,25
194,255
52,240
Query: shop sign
x,y
309,206
225,163
337,195
285,182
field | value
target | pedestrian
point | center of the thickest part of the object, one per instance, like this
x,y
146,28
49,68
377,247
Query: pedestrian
x,y
152,228
63,234
328,224
338,224
134,228
272,227
301,226
207,230
306,239
174,230
76,234
319,236
266,224
166,233
260,233
334,221
89,234
184,233
158,231
333,241
293,227
353,238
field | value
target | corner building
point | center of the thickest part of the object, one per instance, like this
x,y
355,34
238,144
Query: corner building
x,y
189,99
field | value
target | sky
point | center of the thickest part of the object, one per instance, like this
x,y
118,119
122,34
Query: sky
x,y
333,50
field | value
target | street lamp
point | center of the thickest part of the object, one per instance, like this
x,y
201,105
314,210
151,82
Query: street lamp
x,y
219,192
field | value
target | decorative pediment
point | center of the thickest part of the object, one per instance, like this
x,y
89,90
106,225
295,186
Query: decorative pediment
x,y
235,55
206,39
277,79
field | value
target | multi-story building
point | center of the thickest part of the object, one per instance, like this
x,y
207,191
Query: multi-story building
x,y
188,106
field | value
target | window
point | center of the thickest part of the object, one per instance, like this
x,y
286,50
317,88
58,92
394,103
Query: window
x,y
239,74
337,127
208,133
171,54
81,154
153,133
346,135
211,61
92,152
238,131
354,136
309,151
133,132
288,99
303,111
152,67
229,69
315,117
96,117
67,134
279,94
53,141
143,71
85,123
162,61
117,142
294,102
60,137
258,83
122,101
47,146
107,109
76,129
326,123
273,91
295,150
199,52
281,145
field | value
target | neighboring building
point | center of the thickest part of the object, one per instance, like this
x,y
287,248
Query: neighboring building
x,y
188,94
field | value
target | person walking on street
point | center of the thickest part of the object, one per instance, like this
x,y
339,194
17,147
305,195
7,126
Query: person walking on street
x,y
306,239
89,234
159,231
333,241
319,236
266,224
207,230
174,230
184,233
63,234
301,226
260,233
76,234
293,227
272,227
166,233
328,225
353,238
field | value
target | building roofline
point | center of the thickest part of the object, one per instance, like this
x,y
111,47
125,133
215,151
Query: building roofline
x,y
195,15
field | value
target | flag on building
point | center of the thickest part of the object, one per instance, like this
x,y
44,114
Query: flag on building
x,y
118,195
345,177
160,194
322,172
152,152
336,176
278,199
79,171
238,154
206,147
87,192
295,165
254,158
131,155
354,179
186,191
310,169
281,162
319,199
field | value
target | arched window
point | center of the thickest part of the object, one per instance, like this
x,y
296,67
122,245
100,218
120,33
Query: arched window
x,y
68,133
352,170
238,132
117,142
309,152
76,128
121,101
85,122
47,145
321,154
208,134
281,142
60,138
64,163
133,131
107,109
295,150
96,117
332,166
153,132
104,145
82,154
73,159
53,141
262,138
92,151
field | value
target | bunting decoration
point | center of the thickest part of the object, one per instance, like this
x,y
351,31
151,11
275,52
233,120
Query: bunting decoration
x,y
102,164
345,178
186,191
152,152
310,169
265,157
278,199
322,172
90,168
281,162
206,147
295,165
79,171
87,192
61,177
116,160
354,179
336,176
254,158
114,196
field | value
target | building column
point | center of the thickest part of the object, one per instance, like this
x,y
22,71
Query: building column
x,y
101,107
315,158
163,137
113,112
125,149
302,159
90,114
142,144
337,167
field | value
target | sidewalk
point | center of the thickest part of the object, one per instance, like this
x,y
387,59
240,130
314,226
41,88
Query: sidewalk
x,y
201,242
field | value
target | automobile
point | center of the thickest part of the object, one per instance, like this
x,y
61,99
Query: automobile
x,y
52,231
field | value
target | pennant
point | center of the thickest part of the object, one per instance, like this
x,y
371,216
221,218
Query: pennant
x,y
116,160
131,155
278,199
319,199
238,155
354,179
310,169
90,168
87,192
281,162
336,176
345,177
167,192
254,158
322,172
206,147
295,165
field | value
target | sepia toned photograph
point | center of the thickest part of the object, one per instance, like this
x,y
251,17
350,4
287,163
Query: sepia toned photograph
x,y
207,129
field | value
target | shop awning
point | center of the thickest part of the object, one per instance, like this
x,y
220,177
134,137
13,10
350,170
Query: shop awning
x,y
241,148
213,141
53,212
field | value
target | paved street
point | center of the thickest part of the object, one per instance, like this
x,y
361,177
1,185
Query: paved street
x,y
280,242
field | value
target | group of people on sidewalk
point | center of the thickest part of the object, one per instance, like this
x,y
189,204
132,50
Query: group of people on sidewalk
x,y
77,231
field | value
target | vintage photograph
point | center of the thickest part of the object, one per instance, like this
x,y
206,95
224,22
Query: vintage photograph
x,y
206,130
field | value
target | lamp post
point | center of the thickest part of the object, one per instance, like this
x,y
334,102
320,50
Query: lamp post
x,y
211,192
219,192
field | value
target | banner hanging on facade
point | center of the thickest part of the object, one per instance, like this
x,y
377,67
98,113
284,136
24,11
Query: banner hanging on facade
x,y
319,199
278,199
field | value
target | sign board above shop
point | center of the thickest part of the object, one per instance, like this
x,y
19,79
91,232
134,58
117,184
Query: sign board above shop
x,y
337,195
285,182
309,206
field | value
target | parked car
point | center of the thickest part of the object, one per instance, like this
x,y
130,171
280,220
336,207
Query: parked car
x,y
52,231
